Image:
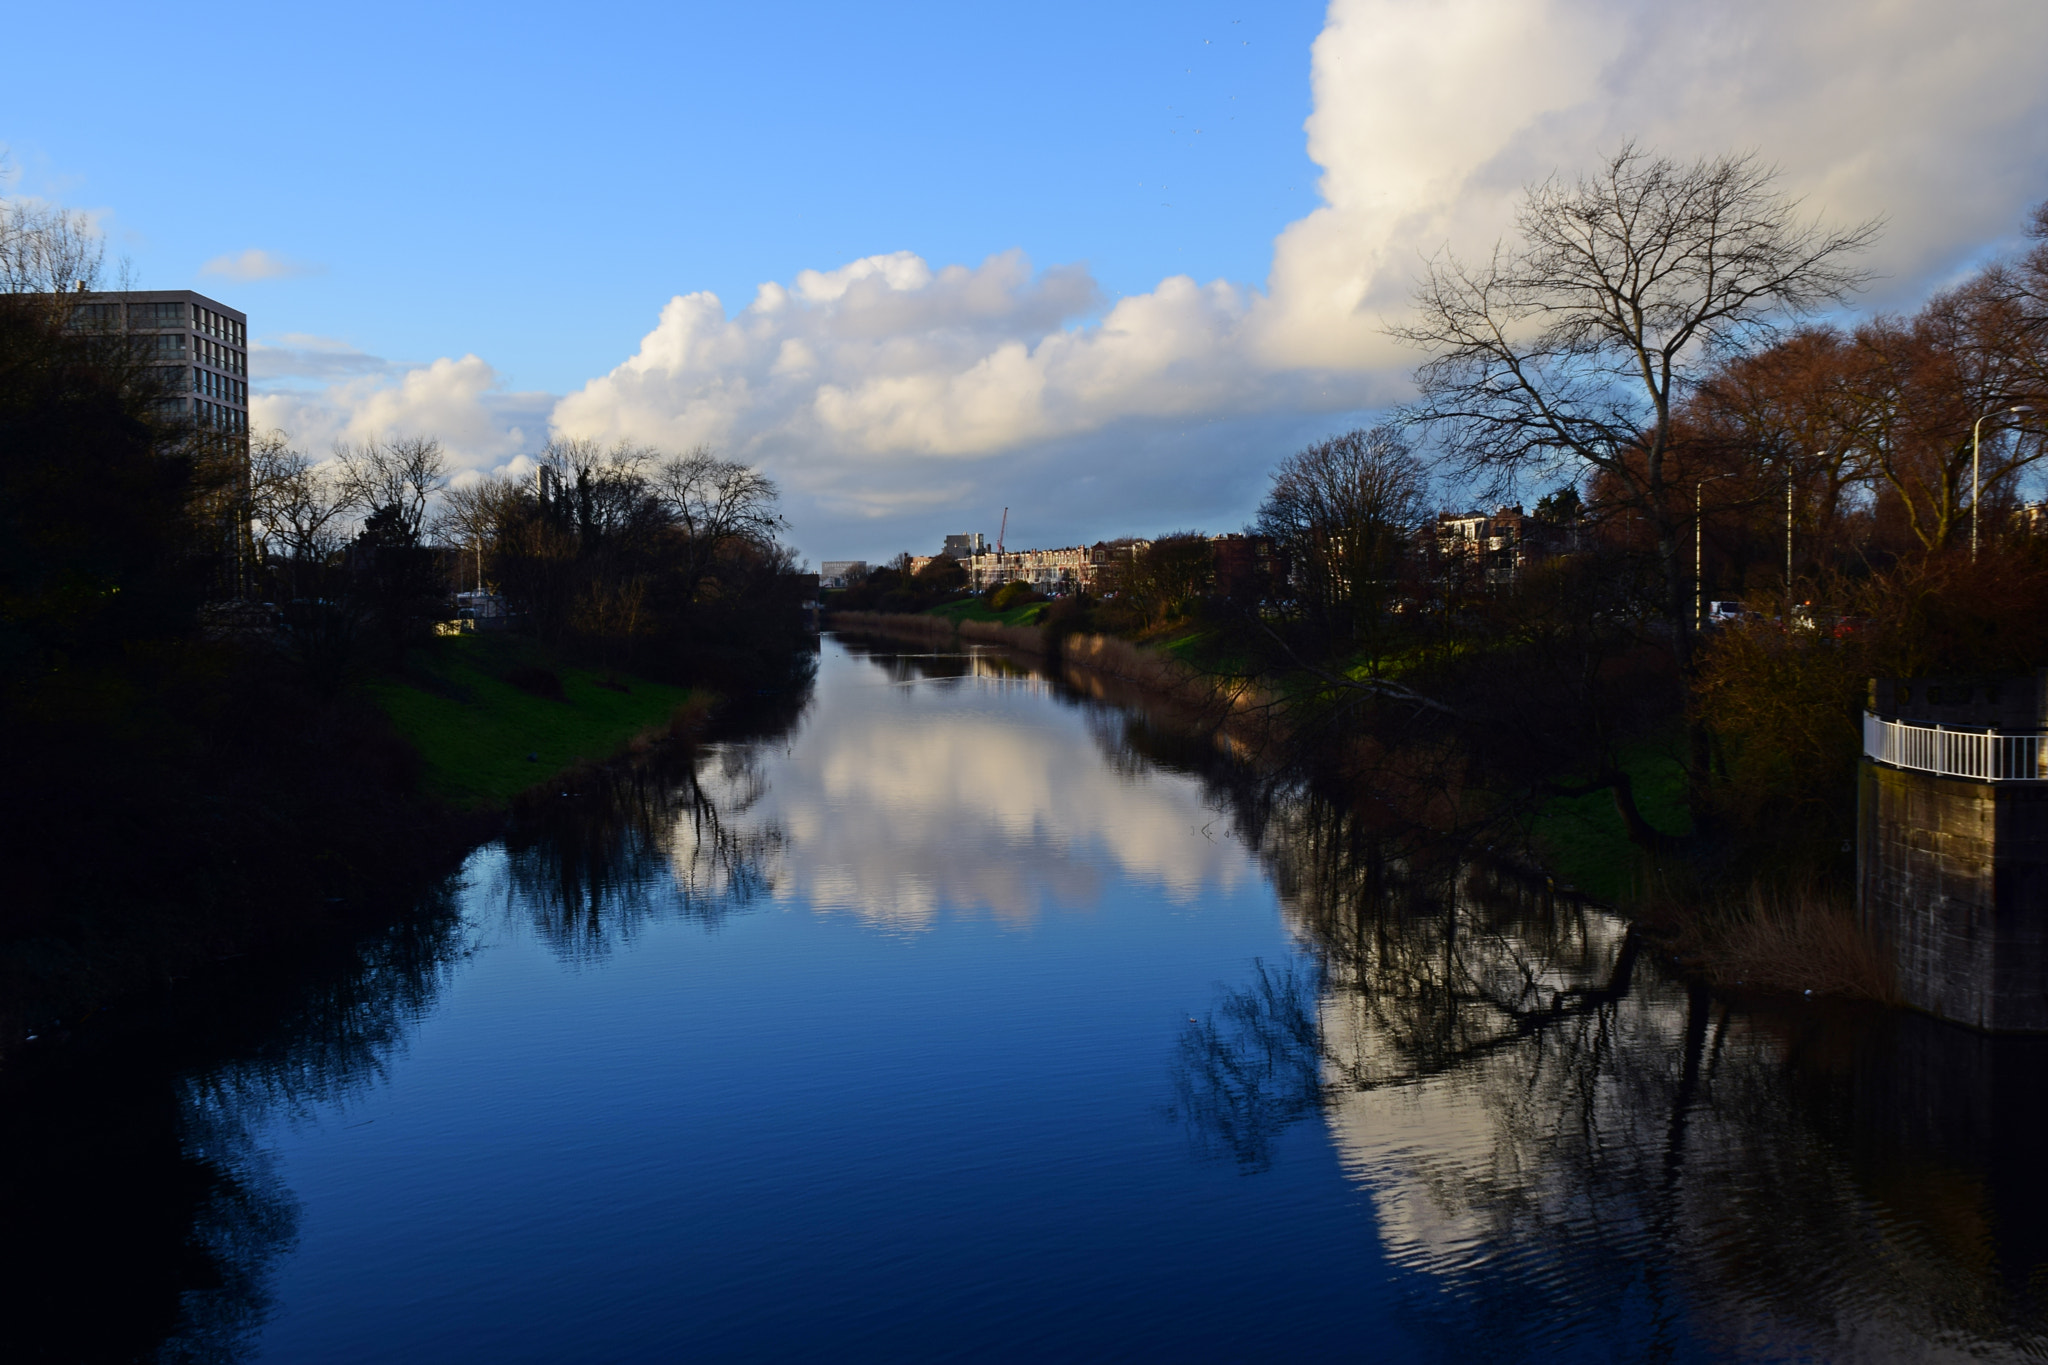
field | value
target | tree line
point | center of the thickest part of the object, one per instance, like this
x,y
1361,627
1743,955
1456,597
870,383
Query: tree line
x,y
620,554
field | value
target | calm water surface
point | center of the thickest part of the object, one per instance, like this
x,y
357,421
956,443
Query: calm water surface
x,y
965,1015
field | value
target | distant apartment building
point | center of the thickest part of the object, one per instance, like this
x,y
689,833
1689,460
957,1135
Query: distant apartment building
x,y
842,573
1049,571
1247,568
198,346
1495,549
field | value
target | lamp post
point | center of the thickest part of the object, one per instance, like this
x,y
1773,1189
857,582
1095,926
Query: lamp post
x,y
1976,432
1699,553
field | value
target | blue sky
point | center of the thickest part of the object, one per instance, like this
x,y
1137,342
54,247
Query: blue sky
x,y
1103,264
536,181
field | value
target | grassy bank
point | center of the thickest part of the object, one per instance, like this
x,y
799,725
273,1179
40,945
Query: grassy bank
x,y
977,609
1582,841
490,715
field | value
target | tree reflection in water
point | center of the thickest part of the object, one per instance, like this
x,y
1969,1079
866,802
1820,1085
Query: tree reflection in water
x,y
664,834
1576,1151
1581,1150
142,1210
139,1200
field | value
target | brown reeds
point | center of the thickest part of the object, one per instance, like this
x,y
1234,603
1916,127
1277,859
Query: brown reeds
x,y
1792,939
903,625
1029,639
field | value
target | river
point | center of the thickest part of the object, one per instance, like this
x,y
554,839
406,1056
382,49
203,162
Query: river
x,y
954,1012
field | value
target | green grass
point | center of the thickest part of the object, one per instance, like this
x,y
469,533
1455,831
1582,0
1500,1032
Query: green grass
x,y
1583,840
474,730
975,609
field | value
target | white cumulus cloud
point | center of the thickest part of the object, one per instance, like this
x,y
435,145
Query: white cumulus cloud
x,y
460,401
876,389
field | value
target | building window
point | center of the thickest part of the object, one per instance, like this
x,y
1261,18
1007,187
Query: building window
x,y
152,315
94,317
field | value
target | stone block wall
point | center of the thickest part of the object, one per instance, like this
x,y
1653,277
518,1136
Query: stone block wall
x,y
1953,876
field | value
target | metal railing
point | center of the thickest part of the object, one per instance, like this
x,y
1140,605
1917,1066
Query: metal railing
x,y
1984,755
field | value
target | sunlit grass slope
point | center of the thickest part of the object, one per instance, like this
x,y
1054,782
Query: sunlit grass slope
x,y
975,609
474,729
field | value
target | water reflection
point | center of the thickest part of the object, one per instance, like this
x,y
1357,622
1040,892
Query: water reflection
x,y
143,1213
1559,1148
961,798
671,831
1584,1153
957,799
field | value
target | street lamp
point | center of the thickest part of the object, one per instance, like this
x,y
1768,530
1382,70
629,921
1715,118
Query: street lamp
x,y
1699,548
1975,432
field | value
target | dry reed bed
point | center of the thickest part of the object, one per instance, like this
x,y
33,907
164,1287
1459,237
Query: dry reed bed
x,y
902,626
1794,940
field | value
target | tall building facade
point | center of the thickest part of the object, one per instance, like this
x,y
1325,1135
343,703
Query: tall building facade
x,y
199,349
199,346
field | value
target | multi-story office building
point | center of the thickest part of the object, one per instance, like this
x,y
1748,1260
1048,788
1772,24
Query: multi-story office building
x,y
199,349
199,346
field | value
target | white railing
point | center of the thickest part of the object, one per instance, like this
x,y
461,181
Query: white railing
x,y
1984,755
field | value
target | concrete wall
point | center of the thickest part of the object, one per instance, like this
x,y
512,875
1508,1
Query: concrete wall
x,y
1953,876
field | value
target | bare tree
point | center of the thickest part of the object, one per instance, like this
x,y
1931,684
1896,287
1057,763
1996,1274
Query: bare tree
x,y
1570,349
716,503
1343,510
604,489
298,511
399,478
46,250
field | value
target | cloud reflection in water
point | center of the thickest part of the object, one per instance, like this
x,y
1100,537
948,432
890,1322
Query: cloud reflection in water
x,y
962,799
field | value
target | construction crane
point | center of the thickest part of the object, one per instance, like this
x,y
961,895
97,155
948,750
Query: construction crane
x,y
1001,529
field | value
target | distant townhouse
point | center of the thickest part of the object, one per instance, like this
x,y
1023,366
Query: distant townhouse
x,y
1248,568
1049,571
1496,548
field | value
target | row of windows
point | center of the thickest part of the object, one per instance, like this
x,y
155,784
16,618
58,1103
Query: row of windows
x,y
215,325
106,317
219,386
219,356
94,317
179,379
207,416
159,314
216,418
